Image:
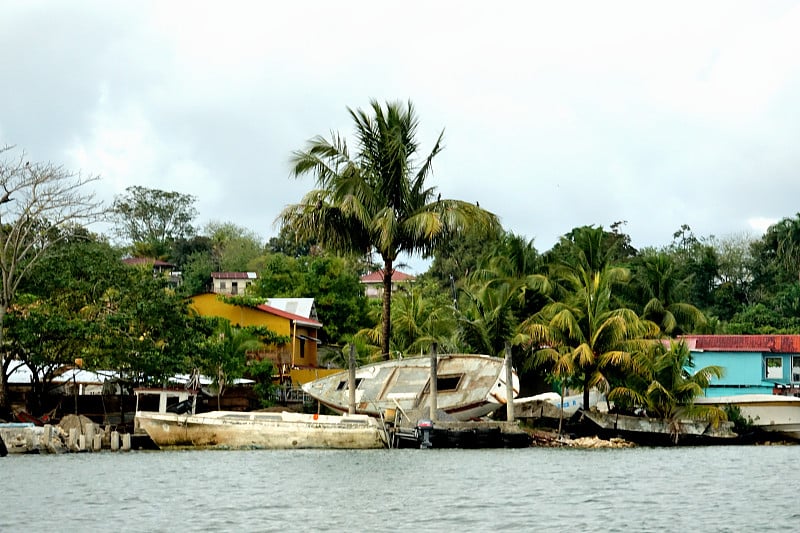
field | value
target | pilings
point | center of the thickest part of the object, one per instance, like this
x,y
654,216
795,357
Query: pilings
x,y
87,437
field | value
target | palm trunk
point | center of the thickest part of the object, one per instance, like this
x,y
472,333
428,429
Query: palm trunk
x,y
386,333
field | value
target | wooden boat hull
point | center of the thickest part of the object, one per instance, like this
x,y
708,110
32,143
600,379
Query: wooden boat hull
x,y
469,386
256,430
659,431
766,412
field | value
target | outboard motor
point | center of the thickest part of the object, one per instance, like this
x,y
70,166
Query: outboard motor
x,y
424,429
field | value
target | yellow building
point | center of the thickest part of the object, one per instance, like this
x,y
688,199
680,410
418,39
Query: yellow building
x,y
295,360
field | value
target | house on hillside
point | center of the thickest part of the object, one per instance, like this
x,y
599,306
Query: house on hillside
x,y
159,268
295,360
754,364
373,282
232,283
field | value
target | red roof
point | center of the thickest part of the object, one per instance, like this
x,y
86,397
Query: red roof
x,y
377,277
744,343
291,316
233,275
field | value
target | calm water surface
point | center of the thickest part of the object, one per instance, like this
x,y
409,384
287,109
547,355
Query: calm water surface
x,y
642,489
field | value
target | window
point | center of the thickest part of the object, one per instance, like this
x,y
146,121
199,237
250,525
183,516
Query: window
x,y
234,288
795,368
773,367
343,384
222,285
447,383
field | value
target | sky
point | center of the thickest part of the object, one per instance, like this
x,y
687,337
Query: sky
x,y
555,114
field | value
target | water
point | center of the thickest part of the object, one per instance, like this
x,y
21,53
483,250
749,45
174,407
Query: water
x,y
736,488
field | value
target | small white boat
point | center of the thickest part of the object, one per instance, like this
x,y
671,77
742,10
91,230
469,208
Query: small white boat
x,y
255,430
468,386
550,404
767,412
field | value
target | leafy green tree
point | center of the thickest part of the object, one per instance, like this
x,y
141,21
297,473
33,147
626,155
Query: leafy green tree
x,y
41,205
152,219
333,283
234,248
377,197
225,354
787,233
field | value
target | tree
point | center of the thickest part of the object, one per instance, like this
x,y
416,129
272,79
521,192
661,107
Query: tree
x,y
664,384
225,354
661,289
234,248
377,198
584,330
41,204
787,232
152,219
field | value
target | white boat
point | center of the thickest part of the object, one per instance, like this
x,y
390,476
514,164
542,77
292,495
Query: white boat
x,y
549,404
468,386
766,412
255,430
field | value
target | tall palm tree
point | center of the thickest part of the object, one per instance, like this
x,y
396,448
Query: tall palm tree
x,y
376,198
585,328
660,287
787,232
585,333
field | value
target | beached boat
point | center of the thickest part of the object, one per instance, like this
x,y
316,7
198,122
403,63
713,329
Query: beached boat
x,y
254,430
766,412
468,386
550,404
658,431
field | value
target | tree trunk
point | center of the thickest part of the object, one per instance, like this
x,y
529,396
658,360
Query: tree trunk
x,y
386,333
5,363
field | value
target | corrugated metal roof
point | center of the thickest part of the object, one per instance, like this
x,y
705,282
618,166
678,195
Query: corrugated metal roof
x,y
377,277
744,343
234,275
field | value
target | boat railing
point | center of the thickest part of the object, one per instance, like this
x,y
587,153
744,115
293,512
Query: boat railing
x,y
288,394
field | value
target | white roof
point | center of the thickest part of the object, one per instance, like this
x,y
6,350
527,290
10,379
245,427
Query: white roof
x,y
297,306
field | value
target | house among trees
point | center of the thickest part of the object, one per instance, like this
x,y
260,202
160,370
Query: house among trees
x,y
754,364
232,283
296,360
160,268
373,282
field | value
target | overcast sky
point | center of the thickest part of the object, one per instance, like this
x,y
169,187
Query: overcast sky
x,y
555,114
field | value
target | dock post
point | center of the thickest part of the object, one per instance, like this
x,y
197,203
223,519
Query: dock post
x,y
72,440
351,381
126,442
97,442
434,387
115,440
509,385
89,435
81,442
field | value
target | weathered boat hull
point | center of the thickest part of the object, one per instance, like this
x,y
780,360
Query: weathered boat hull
x,y
766,412
551,405
658,431
254,430
469,386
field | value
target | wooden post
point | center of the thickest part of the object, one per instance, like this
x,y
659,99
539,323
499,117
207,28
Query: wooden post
x,y
97,442
126,442
509,385
434,386
115,440
351,381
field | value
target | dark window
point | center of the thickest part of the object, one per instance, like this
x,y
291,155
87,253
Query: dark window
x,y
447,383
